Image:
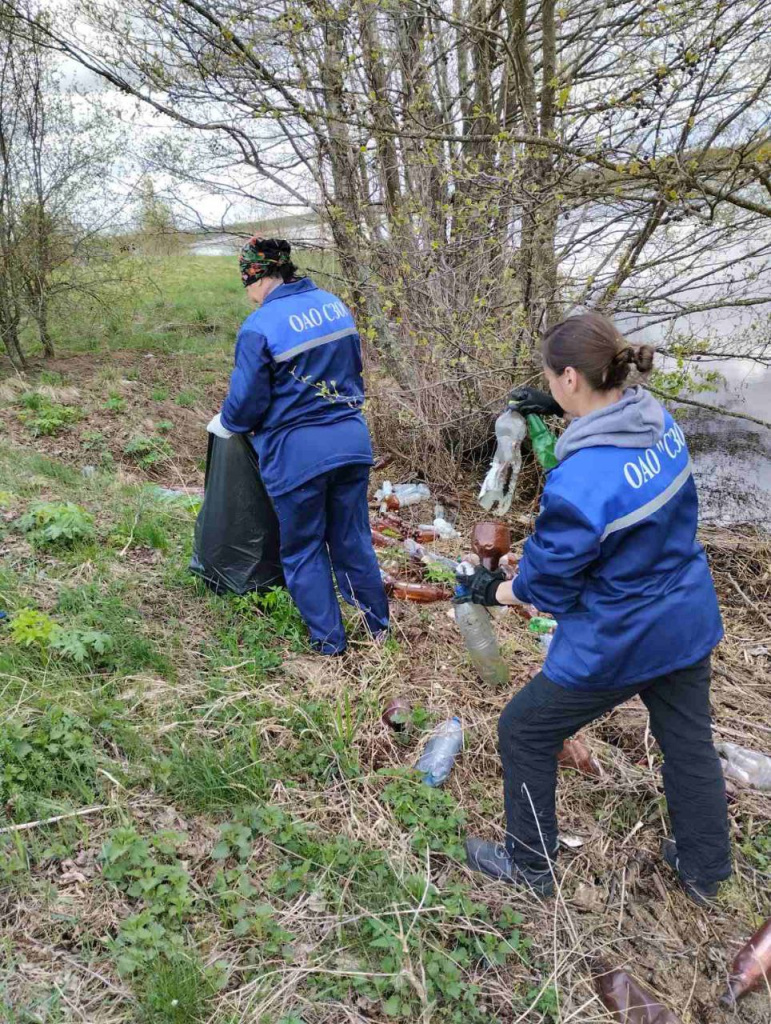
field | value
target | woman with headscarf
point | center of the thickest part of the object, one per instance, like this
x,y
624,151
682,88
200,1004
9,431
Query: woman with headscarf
x,y
297,391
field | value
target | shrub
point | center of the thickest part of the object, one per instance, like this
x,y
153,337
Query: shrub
x,y
148,451
44,417
56,524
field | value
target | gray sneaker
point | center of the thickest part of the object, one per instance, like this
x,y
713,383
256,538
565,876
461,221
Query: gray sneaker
x,y
493,860
704,895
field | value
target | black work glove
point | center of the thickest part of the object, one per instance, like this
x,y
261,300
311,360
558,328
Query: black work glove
x,y
482,586
531,400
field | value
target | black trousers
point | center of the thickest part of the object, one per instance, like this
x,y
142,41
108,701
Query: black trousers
x,y
542,715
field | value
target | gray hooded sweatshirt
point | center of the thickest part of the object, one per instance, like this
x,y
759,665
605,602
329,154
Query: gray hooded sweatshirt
x,y
635,421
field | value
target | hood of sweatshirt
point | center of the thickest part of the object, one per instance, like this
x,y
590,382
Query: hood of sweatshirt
x,y
635,421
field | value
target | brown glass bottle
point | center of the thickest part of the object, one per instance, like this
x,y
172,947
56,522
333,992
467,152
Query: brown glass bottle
x,y
491,541
630,1002
576,754
423,593
751,966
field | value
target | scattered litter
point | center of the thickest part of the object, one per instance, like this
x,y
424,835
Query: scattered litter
x,y
438,757
499,484
419,553
397,714
751,967
575,754
445,530
746,766
544,641
382,462
88,471
174,494
543,442
630,1002
393,496
571,842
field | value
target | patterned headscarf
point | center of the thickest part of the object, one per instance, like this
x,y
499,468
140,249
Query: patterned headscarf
x,y
260,256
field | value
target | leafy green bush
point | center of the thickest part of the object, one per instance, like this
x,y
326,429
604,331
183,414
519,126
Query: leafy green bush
x,y
44,417
432,816
51,756
115,402
56,524
148,871
148,451
31,628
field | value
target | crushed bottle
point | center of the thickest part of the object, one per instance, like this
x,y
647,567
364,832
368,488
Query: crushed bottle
x,y
749,767
543,442
629,1002
438,757
575,754
751,967
498,486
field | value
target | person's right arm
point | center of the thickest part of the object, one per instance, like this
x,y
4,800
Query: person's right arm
x,y
249,394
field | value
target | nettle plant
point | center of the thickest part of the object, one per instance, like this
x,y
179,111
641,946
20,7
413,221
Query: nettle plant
x,y
32,629
56,524
45,417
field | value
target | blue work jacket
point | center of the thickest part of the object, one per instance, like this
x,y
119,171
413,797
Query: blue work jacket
x,y
297,386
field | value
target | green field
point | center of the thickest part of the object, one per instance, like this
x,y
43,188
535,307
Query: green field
x,y
202,822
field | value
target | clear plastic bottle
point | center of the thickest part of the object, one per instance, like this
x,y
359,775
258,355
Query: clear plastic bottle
x,y
498,486
749,767
438,757
476,628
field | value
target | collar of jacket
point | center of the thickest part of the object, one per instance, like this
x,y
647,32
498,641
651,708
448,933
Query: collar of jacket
x,y
292,288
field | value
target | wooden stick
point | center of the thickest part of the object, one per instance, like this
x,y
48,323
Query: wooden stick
x,y
51,821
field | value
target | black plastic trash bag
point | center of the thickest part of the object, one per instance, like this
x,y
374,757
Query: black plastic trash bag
x,y
236,544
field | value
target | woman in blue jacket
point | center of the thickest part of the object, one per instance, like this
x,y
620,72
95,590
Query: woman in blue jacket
x,y
297,392
614,558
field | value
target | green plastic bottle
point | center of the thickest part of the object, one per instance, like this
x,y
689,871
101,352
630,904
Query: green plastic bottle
x,y
543,441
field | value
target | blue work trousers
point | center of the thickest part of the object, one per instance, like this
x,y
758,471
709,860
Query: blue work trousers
x,y
324,527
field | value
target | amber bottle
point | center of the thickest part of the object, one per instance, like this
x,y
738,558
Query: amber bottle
x,y
491,541
630,1002
751,967
575,754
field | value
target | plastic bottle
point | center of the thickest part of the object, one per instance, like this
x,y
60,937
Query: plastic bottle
x,y
575,754
498,486
751,967
438,757
476,627
541,624
630,1002
746,766
543,441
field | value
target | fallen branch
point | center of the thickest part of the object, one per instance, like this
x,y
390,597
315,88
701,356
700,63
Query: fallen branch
x,y
748,601
710,408
27,825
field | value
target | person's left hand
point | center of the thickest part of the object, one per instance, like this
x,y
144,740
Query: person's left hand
x,y
215,427
483,585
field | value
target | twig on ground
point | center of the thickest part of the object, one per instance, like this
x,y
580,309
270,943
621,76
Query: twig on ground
x,y
52,821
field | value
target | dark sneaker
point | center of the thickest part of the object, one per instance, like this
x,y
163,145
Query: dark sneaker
x,y
704,895
493,860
